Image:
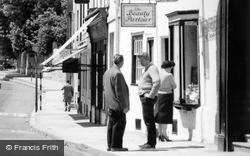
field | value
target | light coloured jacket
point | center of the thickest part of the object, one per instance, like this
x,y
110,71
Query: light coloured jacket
x,y
150,81
167,83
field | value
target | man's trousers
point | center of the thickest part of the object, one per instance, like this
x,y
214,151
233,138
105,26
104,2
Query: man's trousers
x,y
115,128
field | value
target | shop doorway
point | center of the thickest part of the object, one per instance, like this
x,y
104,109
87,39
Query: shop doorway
x,y
97,71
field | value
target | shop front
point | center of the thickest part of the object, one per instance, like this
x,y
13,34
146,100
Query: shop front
x,y
98,31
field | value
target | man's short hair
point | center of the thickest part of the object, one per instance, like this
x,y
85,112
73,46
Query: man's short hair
x,y
118,58
145,56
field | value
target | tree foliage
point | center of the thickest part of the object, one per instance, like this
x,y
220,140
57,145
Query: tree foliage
x,y
52,28
35,23
5,44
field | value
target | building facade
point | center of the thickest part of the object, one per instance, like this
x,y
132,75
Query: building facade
x,y
176,35
92,47
197,35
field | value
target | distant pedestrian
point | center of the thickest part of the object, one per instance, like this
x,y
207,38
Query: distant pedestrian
x,y
148,88
31,70
117,103
164,105
68,94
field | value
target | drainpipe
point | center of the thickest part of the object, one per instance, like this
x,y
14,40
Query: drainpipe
x,y
117,26
204,66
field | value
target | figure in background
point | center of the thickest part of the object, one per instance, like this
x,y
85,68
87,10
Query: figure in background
x,y
31,70
148,88
117,103
68,94
164,105
188,118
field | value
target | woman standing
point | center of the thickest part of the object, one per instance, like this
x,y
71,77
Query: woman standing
x,y
164,106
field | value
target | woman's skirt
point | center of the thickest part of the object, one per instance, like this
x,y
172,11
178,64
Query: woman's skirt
x,y
164,109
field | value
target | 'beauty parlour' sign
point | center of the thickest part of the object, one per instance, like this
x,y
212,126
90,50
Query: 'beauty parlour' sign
x,y
138,15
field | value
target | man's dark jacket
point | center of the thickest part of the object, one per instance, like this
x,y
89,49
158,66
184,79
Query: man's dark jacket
x,y
115,90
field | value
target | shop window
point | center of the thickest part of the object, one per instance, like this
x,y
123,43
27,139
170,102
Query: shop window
x,y
184,46
137,68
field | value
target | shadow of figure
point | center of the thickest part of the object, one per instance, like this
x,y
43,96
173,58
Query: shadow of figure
x,y
84,121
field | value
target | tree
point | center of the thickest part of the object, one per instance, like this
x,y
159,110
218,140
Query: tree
x,y
52,27
35,22
5,44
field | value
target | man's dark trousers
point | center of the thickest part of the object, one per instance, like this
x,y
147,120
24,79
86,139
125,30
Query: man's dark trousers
x,y
148,117
116,127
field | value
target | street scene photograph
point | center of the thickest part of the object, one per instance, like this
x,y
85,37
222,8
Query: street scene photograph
x,y
124,78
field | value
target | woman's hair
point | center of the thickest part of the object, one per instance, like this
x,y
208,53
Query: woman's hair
x,y
118,59
167,64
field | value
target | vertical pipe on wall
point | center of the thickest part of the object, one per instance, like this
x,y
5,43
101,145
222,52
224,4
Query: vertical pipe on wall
x,y
226,23
117,26
158,52
203,54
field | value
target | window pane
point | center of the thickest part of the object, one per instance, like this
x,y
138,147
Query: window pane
x,y
191,64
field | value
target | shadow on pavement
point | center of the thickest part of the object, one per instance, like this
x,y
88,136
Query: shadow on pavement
x,y
78,117
85,121
167,148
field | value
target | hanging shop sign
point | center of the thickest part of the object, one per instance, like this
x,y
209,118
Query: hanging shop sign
x,y
138,15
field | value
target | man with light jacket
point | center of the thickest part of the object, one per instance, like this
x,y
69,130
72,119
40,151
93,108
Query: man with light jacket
x,y
148,87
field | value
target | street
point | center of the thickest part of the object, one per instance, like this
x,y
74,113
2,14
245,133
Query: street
x,y
17,103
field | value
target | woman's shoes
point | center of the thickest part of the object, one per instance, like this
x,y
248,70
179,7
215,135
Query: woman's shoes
x,y
163,138
160,137
166,138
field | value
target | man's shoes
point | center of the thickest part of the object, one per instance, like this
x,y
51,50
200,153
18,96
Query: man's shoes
x,y
119,149
146,146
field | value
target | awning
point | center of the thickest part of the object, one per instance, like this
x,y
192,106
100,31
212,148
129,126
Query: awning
x,y
85,47
49,69
83,28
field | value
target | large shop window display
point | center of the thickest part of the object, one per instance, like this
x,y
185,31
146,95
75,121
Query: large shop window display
x,y
184,47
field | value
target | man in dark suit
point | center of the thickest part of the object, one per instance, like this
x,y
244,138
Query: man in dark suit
x,y
117,103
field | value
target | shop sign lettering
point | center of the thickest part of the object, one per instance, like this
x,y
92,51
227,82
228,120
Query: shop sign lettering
x,y
138,15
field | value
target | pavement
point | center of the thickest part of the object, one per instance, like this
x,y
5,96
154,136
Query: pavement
x,y
76,130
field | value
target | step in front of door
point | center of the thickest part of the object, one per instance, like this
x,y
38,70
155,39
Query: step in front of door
x,y
242,146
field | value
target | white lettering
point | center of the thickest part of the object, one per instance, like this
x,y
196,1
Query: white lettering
x,y
50,147
26,148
